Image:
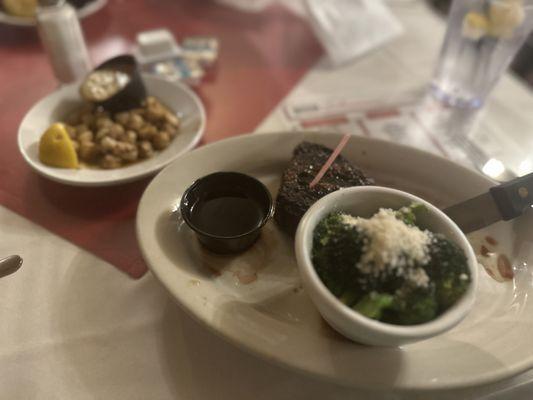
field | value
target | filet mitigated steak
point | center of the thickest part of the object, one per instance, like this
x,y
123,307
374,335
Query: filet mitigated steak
x,y
295,196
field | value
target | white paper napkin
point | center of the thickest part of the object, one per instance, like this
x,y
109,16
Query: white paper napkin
x,y
350,28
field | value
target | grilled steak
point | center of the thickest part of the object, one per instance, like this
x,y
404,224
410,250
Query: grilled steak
x,y
295,196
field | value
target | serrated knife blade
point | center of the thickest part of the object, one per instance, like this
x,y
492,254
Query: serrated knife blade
x,y
474,214
504,202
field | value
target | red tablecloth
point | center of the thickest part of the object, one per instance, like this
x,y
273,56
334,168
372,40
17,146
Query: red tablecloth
x,y
262,57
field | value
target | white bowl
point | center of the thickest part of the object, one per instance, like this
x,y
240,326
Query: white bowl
x,y
364,201
54,107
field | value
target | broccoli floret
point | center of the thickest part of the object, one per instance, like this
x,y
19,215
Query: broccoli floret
x,y
448,268
408,213
338,248
373,304
412,306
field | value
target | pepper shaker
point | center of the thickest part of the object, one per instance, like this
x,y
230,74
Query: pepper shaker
x,y
62,38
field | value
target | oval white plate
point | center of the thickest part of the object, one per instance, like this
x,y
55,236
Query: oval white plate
x,y
55,106
255,299
85,11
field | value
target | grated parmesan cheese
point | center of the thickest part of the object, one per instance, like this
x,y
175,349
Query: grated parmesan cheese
x,y
392,246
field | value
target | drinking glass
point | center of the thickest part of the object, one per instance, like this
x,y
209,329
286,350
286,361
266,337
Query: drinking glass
x,y
481,40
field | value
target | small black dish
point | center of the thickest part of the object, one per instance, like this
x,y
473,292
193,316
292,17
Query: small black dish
x,y
227,210
132,94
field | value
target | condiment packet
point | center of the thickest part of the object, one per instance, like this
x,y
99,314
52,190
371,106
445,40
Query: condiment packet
x,y
156,45
158,53
177,69
350,28
203,49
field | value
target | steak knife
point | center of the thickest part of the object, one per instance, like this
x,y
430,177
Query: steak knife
x,y
503,202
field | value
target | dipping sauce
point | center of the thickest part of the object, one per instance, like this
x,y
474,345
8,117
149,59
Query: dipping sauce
x,y
103,84
227,216
226,210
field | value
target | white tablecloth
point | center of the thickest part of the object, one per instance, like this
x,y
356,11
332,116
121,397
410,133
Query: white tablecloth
x,y
73,327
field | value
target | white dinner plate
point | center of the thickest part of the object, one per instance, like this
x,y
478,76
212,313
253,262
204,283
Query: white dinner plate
x,y
57,105
85,11
255,299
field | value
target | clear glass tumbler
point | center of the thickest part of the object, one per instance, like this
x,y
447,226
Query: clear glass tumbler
x,y
481,40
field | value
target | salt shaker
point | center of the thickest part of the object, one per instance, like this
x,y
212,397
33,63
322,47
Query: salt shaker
x,y
62,38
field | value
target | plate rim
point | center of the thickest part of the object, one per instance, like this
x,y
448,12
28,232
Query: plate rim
x,y
28,22
140,175
480,380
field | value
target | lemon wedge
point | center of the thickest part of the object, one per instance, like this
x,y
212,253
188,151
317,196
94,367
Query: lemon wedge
x,y
505,17
20,8
56,148
475,25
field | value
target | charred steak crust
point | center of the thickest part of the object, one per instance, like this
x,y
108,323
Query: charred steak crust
x,y
295,196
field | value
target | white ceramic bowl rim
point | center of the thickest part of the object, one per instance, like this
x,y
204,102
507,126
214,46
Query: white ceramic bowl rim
x,y
446,319
181,97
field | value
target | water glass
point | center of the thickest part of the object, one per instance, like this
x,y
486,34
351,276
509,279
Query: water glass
x,y
481,40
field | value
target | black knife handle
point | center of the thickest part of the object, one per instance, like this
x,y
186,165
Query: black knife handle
x,y
513,197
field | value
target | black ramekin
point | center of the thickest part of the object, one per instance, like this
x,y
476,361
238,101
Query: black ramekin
x,y
220,184
130,96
